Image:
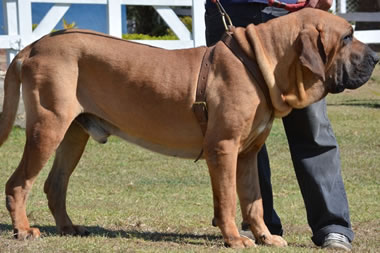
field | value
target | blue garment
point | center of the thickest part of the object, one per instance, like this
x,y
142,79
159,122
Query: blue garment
x,y
229,2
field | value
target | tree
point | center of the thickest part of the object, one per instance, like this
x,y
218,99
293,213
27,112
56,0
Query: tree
x,y
146,20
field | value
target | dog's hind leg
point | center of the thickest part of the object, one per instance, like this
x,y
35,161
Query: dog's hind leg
x,y
42,139
67,157
248,188
50,106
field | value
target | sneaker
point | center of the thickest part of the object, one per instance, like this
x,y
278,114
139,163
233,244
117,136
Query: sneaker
x,y
336,241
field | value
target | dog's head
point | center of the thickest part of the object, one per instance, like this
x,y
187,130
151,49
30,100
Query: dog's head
x,y
307,54
328,48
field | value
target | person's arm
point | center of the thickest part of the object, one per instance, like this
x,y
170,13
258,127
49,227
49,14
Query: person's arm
x,y
319,4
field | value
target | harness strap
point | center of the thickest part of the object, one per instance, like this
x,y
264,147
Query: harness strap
x,y
200,105
250,64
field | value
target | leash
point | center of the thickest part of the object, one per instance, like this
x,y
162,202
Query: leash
x,y
286,6
224,15
275,3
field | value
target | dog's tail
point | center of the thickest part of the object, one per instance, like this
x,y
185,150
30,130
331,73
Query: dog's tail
x,y
12,84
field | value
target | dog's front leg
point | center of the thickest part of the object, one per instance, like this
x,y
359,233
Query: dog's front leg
x,y
248,187
221,157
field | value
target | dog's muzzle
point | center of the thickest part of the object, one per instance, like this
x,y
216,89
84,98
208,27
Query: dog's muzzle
x,y
355,72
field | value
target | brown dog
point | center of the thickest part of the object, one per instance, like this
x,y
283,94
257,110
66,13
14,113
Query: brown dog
x,y
78,83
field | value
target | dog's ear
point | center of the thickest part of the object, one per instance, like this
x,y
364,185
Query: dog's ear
x,y
311,51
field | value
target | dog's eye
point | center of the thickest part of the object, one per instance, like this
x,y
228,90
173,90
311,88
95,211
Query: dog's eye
x,y
348,38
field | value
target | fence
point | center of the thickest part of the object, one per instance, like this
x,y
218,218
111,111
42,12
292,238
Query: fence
x,y
18,21
347,10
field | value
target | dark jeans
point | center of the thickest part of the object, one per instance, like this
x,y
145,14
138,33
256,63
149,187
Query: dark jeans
x,y
313,147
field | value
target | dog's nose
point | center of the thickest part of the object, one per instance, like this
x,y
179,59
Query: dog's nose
x,y
375,58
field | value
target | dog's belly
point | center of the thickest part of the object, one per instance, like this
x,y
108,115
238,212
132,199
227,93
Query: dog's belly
x,y
181,152
186,147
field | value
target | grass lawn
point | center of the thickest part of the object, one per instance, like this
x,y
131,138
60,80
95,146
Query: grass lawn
x,y
133,200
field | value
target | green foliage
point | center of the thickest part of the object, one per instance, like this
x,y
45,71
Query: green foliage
x,y
64,24
188,21
170,35
147,20
136,36
67,25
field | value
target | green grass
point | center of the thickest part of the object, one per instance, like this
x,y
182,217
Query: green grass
x,y
133,200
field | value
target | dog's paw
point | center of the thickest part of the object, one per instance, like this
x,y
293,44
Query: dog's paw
x,y
272,240
74,230
27,234
239,243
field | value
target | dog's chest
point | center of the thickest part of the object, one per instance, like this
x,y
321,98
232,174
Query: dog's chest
x,y
257,130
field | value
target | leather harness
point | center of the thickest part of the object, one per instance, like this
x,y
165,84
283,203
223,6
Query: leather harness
x,y
200,104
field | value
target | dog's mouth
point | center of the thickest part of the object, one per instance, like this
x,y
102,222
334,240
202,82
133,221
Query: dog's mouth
x,y
353,74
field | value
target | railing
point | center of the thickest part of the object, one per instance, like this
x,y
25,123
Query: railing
x,y
369,36
18,21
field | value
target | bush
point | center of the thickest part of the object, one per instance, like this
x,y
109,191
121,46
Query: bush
x,y
139,36
170,35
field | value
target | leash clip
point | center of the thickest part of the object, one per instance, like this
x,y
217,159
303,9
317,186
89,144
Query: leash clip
x,y
224,15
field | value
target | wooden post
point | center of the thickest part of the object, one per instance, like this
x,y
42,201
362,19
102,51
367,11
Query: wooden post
x,y
11,28
114,18
25,22
173,22
199,27
51,19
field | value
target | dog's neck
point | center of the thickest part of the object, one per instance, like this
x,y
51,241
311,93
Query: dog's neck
x,y
286,78
251,44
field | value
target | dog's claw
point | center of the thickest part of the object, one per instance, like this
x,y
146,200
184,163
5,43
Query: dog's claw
x,y
27,234
75,231
273,240
213,222
239,243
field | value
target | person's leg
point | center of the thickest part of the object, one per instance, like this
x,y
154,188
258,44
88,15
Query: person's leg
x,y
242,16
316,161
271,218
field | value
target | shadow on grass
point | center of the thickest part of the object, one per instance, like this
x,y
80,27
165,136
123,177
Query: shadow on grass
x,y
183,238
139,234
360,103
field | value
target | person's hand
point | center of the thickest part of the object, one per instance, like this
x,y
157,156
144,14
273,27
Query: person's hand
x,y
319,4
